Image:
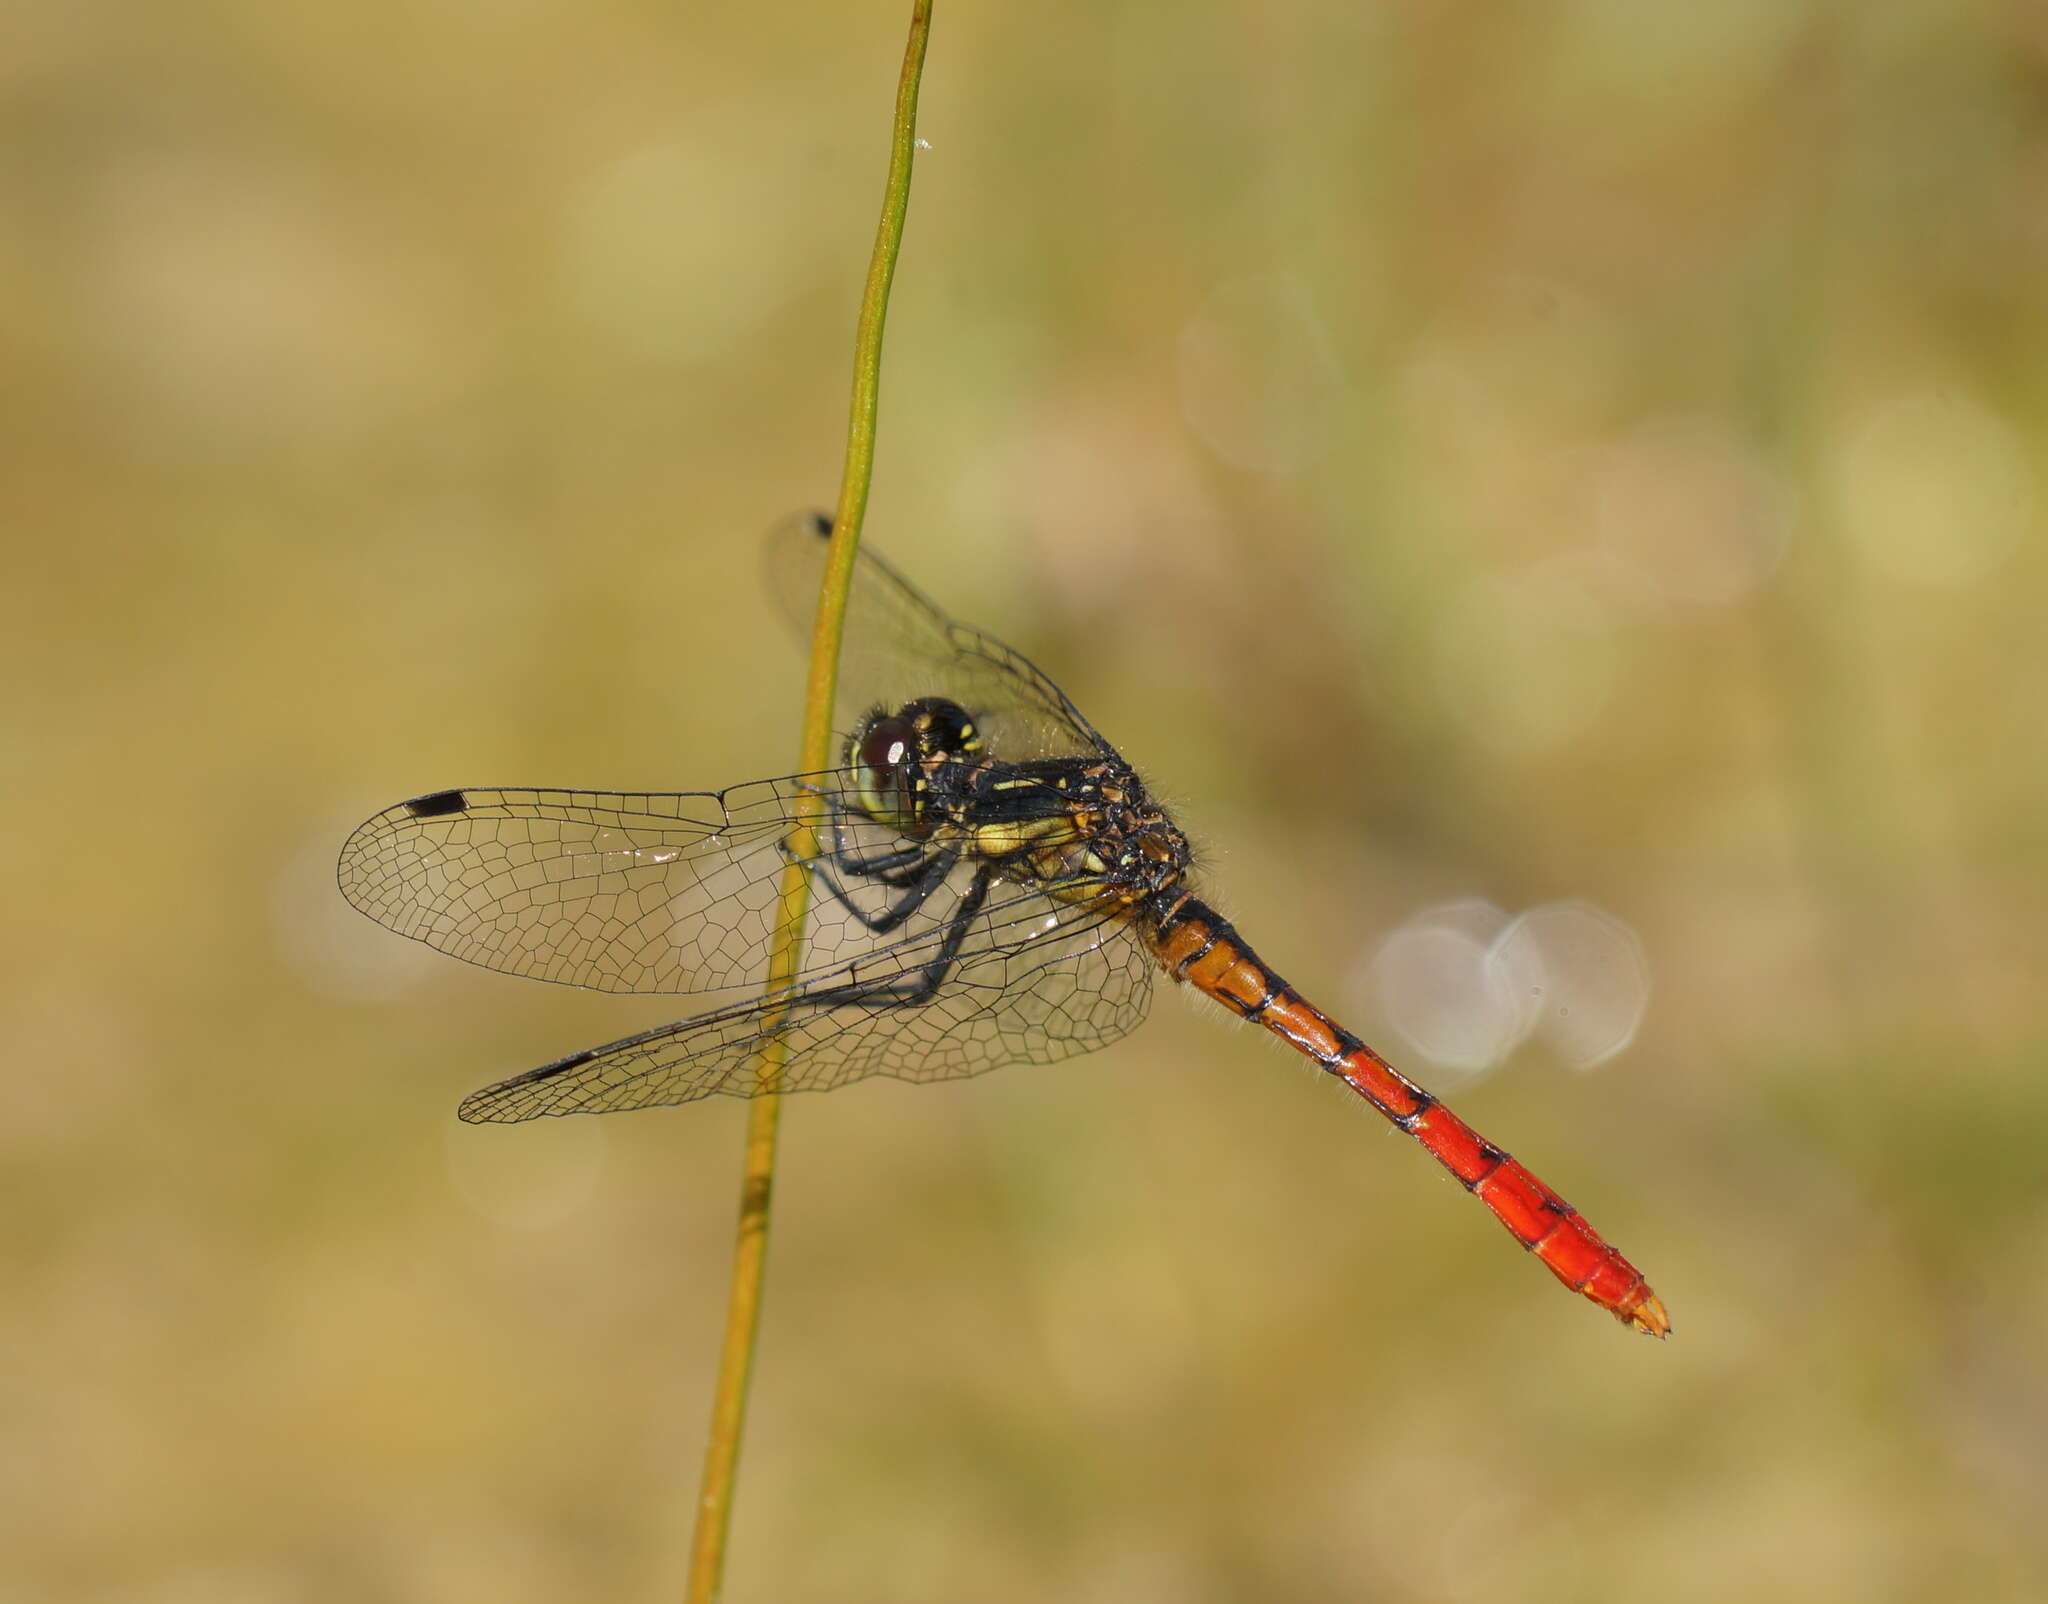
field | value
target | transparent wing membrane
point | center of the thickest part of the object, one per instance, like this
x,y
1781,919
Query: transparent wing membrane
x,y
613,891
899,645
919,959
1022,991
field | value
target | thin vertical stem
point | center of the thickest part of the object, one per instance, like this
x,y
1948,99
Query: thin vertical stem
x,y
757,1185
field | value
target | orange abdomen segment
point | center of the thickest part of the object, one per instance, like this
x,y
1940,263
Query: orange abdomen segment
x,y
1537,1217
1199,947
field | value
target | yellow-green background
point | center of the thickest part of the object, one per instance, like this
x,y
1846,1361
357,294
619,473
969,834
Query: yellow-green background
x,y
393,395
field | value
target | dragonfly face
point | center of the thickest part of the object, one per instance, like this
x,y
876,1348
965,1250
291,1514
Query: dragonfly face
x,y
899,756
991,884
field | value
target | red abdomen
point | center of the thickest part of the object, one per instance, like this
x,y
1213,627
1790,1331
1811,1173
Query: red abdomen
x,y
1197,945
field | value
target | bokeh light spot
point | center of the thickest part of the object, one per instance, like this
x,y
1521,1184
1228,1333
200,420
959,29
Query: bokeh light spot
x,y
1435,987
1584,975
1465,985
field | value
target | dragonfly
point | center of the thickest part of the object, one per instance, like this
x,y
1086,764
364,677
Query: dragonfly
x,y
990,883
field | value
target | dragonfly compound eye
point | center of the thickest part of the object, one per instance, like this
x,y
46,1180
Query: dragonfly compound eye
x,y
886,752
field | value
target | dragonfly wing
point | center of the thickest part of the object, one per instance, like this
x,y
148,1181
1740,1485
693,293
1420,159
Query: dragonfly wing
x,y
1033,982
613,891
899,645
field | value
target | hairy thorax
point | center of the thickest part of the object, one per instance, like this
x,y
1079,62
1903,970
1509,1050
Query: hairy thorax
x,y
1114,844
1082,828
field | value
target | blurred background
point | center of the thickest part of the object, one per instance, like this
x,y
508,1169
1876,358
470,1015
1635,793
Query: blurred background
x,y
1553,494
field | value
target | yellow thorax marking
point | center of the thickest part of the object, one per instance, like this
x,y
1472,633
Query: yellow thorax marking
x,y
1011,836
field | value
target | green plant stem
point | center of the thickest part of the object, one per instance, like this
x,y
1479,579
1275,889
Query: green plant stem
x,y
757,1185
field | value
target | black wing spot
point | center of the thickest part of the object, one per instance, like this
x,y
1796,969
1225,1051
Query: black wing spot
x,y
550,1071
821,525
437,805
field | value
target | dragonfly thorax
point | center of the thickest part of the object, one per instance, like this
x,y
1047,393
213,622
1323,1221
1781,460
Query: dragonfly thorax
x,y
1081,826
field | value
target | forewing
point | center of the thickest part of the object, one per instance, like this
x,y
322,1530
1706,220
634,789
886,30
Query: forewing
x,y
614,891
1035,982
899,646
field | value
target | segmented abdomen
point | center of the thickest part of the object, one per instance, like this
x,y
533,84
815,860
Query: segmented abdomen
x,y
1197,945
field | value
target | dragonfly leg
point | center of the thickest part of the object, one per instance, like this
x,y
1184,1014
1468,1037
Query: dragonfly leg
x,y
928,978
893,866
900,868
875,865
931,874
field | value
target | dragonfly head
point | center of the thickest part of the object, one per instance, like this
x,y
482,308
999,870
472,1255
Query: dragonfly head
x,y
895,754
